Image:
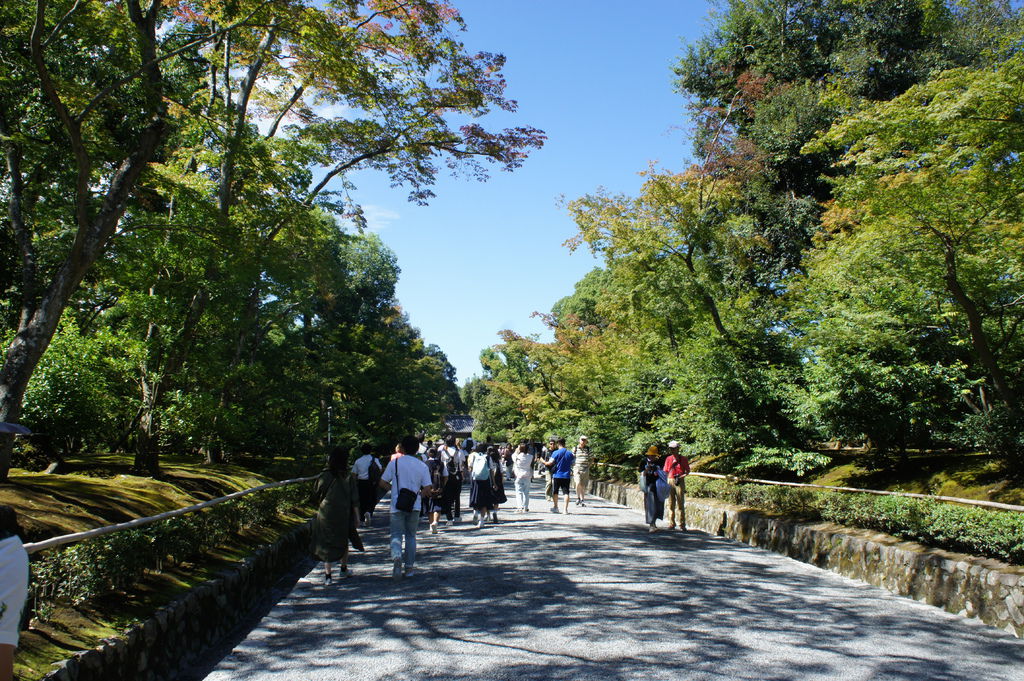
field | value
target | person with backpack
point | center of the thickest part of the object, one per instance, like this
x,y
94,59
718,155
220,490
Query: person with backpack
x,y
438,482
451,458
481,491
367,470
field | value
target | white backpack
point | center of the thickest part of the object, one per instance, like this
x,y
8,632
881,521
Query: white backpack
x,y
481,467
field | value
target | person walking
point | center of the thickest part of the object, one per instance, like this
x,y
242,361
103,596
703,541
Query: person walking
x,y
545,456
560,464
650,475
438,482
497,481
408,478
367,470
337,496
481,490
677,467
522,469
451,458
581,470
13,588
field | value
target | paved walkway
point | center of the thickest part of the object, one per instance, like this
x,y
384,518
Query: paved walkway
x,y
592,595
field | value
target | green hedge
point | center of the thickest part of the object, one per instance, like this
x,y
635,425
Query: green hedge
x,y
965,529
79,572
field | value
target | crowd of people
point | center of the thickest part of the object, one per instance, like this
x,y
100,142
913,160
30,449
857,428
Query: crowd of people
x,y
426,481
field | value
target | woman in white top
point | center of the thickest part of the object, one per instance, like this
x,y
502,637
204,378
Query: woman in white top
x,y
13,588
522,463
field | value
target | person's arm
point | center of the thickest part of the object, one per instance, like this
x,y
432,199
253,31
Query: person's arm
x,y
385,482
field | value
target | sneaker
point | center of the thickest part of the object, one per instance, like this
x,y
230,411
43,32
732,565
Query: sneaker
x,y
458,519
476,516
554,509
480,524
672,526
327,579
652,528
345,574
494,517
448,523
583,503
396,568
433,528
409,572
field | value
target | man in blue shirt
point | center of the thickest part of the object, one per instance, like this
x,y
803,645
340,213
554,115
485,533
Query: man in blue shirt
x,y
560,463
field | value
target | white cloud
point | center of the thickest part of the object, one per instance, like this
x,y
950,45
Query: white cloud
x,y
378,218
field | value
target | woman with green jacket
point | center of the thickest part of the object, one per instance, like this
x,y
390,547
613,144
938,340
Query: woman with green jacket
x,y
337,514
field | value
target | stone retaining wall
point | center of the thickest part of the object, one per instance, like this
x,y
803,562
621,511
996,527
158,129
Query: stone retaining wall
x,y
986,589
167,643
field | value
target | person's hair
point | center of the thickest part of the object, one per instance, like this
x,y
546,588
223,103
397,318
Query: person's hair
x,y
9,521
521,447
337,460
560,441
410,444
421,436
432,453
366,448
481,447
653,450
492,452
450,441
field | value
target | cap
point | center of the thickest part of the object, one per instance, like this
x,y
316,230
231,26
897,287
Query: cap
x,y
584,437
673,445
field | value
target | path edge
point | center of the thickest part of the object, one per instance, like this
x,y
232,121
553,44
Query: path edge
x,y
979,588
179,633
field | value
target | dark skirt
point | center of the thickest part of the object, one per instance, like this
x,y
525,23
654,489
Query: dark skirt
x,y
368,496
481,494
438,504
499,491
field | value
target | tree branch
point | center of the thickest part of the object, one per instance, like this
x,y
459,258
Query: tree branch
x,y
105,92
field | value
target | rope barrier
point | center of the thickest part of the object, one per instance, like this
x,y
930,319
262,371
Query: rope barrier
x,y
141,522
912,495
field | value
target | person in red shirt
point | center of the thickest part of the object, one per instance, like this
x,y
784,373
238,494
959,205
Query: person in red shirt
x,y
677,467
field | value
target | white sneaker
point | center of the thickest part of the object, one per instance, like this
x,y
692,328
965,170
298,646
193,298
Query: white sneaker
x,y
480,524
476,516
433,528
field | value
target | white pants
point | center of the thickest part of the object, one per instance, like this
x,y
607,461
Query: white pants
x,y
523,492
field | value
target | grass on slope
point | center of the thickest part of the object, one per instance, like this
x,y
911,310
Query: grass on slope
x,y
101,490
967,476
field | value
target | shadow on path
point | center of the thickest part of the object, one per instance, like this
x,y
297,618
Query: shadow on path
x,y
593,596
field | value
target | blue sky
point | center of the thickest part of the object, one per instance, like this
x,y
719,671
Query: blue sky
x,y
596,77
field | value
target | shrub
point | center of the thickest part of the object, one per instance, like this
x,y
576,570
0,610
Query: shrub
x,y
965,529
79,572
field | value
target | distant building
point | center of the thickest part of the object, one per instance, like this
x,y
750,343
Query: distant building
x,y
458,425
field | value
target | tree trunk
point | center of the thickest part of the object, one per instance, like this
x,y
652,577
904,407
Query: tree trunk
x,y
979,339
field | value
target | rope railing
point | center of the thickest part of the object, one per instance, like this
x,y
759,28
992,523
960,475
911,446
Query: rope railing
x,y
141,522
912,495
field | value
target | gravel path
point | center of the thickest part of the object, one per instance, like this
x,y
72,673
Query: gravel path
x,y
592,595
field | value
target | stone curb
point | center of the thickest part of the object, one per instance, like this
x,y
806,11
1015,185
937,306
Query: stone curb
x,y
164,646
981,588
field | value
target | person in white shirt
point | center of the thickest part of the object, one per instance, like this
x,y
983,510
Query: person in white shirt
x,y
405,472
522,468
367,470
13,588
453,460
